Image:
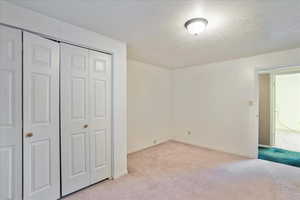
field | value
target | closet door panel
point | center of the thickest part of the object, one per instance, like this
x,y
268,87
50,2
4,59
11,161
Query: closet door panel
x,y
41,118
10,113
74,118
100,117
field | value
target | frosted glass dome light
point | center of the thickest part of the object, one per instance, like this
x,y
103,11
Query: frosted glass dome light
x,y
196,26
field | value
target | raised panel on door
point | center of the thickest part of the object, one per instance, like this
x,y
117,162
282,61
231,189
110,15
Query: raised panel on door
x,y
100,117
74,118
41,118
10,114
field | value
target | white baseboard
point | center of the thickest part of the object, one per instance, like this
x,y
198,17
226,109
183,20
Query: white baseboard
x,y
148,146
214,149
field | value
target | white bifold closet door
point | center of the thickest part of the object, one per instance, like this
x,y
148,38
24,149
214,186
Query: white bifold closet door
x,y
85,117
41,118
10,114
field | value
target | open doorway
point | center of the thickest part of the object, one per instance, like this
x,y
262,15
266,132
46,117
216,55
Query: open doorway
x,y
279,116
287,110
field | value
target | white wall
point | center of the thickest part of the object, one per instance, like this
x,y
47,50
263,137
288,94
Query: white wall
x,y
35,22
149,105
212,101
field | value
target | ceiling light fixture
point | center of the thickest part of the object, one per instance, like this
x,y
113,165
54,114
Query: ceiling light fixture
x,y
196,26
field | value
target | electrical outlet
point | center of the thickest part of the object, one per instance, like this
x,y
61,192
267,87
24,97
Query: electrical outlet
x,y
189,132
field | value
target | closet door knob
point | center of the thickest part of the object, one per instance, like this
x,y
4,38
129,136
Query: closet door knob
x,y
85,126
29,135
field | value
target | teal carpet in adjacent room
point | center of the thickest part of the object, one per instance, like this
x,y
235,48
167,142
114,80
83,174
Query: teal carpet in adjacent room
x,y
279,155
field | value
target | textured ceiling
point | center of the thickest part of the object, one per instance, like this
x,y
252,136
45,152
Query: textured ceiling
x,y
154,32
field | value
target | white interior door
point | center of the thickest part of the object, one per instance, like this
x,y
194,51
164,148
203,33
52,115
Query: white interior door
x,y
100,115
86,117
74,118
41,118
10,114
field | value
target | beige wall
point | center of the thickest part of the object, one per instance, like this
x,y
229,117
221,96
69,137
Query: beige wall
x,y
264,109
149,105
212,101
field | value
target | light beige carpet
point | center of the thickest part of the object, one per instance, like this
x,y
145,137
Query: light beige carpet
x,y
175,171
